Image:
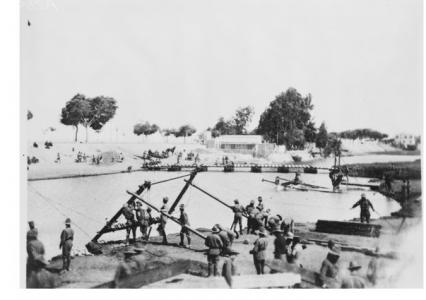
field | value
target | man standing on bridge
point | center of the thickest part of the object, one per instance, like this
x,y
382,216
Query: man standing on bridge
x,y
365,205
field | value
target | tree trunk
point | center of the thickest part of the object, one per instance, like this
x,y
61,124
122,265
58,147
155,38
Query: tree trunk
x,y
76,133
87,134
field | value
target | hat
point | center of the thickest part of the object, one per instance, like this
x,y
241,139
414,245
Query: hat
x,y
252,202
259,198
331,244
149,209
67,221
279,217
353,266
236,201
165,199
363,195
215,229
261,231
182,206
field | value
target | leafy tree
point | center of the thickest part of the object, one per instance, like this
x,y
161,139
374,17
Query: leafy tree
x,y
362,134
72,113
185,130
310,132
90,112
145,129
287,114
322,137
29,115
224,127
242,118
334,146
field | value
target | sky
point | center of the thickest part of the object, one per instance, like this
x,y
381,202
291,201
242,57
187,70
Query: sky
x,y
193,61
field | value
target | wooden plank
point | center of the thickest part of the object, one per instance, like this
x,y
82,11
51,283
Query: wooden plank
x,y
349,228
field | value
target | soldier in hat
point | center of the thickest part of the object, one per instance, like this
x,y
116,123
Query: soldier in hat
x,y
238,210
130,221
32,232
125,268
227,237
163,220
67,237
248,210
142,218
353,281
35,250
260,206
215,245
184,220
365,206
329,267
259,251
274,223
279,243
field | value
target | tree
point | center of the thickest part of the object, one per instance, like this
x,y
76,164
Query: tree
x,y
145,129
224,127
322,137
310,132
72,113
334,146
185,130
29,115
287,114
242,118
89,112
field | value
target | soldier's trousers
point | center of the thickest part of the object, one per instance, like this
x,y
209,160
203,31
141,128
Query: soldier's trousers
x,y
212,263
66,255
237,221
259,265
184,231
365,216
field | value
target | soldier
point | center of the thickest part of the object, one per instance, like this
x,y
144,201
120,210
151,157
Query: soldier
x,y
32,231
329,267
214,243
238,217
151,221
260,204
265,216
249,208
227,237
274,223
35,248
163,220
125,268
130,221
259,251
296,179
353,281
294,252
39,277
365,205
279,244
184,220
67,237
142,218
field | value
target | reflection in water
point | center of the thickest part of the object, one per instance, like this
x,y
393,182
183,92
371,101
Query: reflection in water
x,y
89,201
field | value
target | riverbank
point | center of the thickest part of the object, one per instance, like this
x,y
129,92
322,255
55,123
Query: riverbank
x,y
90,271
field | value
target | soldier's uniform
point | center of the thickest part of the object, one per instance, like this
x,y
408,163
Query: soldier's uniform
x,y
259,252
238,210
365,206
329,267
184,220
279,244
163,220
143,220
249,209
130,222
67,237
214,243
35,250
39,277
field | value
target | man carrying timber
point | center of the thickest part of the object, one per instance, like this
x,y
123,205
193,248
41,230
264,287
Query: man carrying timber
x,y
227,237
67,237
365,206
184,220
238,210
130,221
249,208
259,251
329,266
142,219
214,243
163,220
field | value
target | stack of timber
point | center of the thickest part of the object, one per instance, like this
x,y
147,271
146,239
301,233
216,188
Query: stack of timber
x,y
348,228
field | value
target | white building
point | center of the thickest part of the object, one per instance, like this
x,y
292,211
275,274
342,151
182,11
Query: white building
x,y
248,144
405,140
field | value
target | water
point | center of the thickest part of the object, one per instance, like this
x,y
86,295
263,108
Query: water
x,y
88,201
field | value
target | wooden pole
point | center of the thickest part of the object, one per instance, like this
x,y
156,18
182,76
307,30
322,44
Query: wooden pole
x,y
214,197
167,215
182,192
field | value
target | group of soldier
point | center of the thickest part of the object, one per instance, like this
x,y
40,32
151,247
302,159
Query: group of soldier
x,y
37,274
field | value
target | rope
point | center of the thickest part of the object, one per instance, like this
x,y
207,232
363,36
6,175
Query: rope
x,y
49,201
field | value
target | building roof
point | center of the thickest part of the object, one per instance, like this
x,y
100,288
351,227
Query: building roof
x,y
240,139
